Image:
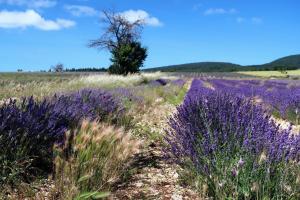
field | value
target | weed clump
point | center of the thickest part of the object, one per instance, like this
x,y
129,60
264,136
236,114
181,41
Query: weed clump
x,y
92,159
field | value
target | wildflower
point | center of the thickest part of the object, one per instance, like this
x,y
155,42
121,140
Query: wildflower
x,y
241,162
262,157
255,187
204,188
222,183
287,188
234,172
298,179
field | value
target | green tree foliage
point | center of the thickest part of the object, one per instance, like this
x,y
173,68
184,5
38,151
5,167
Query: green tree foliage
x,y
128,58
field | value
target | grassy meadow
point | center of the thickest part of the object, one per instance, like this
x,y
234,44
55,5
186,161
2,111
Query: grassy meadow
x,y
275,74
16,85
149,136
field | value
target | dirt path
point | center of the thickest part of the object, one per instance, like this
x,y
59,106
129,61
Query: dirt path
x,y
151,175
153,178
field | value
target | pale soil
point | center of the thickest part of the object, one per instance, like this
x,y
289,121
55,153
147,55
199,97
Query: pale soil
x,y
43,190
285,125
153,176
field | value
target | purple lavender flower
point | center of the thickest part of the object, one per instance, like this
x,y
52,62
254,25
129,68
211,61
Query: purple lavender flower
x,y
159,82
277,96
128,94
211,123
241,162
178,82
30,128
234,172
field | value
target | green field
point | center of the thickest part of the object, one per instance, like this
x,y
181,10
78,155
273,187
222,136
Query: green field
x,y
269,74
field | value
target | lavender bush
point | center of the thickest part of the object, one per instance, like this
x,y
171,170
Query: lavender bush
x,y
128,95
159,82
232,147
178,82
30,128
91,104
27,132
282,98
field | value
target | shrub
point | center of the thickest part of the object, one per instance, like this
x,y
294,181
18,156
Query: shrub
x,y
159,82
88,103
128,95
29,130
58,68
279,97
178,82
233,148
92,160
162,81
127,58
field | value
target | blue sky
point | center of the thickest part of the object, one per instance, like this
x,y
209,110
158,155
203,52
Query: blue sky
x,y
35,34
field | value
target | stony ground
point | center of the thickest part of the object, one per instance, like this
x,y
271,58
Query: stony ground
x,y
286,125
153,178
151,175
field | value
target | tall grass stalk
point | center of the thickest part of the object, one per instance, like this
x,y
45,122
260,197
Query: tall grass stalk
x,y
93,158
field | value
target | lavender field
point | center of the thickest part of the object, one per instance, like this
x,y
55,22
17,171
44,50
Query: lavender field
x,y
149,136
149,100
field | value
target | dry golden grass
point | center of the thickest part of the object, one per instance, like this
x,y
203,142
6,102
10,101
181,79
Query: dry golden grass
x,y
92,160
40,87
268,74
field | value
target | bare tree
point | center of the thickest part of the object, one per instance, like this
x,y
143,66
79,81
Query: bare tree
x,y
118,31
121,37
58,67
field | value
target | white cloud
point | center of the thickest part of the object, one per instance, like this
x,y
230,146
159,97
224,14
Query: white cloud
x,y
253,20
43,3
30,18
197,6
78,10
30,3
133,15
240,19
219,11
256,20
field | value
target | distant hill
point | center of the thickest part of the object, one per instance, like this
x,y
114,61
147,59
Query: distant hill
x,y
289,62
198,67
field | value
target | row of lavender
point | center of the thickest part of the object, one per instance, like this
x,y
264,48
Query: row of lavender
x,y
231,148
29,128
281,97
